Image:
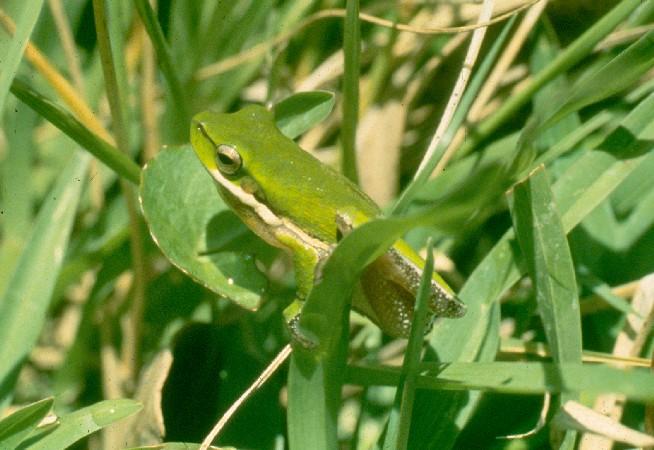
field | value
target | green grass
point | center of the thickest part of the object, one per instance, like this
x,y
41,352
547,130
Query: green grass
x,y
542,221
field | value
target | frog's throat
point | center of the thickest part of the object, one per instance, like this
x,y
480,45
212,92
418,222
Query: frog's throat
x,y
268,220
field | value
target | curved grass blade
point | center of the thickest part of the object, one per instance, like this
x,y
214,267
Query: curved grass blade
x,y
11,61
300,112
615,76
572,55
17,426
63,120
81,423
25,302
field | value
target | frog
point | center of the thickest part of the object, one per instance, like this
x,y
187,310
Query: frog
x,y
295,202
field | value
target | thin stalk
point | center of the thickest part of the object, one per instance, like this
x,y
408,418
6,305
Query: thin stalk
x,y
258,50
117,107
444,131
164,58
352,50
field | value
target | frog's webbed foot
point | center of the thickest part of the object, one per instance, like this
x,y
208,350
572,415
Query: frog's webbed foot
x,y
299,336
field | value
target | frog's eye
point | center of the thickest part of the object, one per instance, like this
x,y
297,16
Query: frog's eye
x,y
228,159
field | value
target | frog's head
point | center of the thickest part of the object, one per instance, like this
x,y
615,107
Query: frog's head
x,y
226,144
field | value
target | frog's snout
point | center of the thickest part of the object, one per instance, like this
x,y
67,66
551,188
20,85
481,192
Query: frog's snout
x,y
202,129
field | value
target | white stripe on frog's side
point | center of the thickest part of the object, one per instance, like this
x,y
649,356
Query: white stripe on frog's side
x,y
267,216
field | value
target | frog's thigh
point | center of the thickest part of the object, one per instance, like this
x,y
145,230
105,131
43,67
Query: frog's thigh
x,y
385,302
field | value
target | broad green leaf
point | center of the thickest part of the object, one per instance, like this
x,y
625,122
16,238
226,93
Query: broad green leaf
x,y
300,112
17,426
81,423
25,302
195,229
527,378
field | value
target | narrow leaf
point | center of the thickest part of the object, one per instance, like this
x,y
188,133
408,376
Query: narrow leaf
x,y
17,426
528,378
63,120
27,297
549,263
11,61
300,112
81,423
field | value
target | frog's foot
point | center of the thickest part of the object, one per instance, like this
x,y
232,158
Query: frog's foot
x,y
299,336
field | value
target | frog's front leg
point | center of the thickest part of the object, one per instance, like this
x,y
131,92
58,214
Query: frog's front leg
x,y
306,259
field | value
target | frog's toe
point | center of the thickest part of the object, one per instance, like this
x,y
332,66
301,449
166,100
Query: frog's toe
x,y
299,336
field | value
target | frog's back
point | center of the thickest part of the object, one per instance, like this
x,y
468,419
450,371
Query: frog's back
x,y
298,186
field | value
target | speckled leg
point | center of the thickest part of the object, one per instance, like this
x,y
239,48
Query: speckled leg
x,y
390,284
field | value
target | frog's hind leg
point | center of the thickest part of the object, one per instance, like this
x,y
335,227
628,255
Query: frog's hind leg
x,y
388,304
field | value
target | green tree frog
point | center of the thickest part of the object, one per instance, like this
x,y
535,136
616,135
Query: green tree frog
x,y
294,202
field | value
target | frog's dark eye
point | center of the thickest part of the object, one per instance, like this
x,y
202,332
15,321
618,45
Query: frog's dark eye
x,y
228,159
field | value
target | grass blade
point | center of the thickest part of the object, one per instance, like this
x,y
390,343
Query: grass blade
x,y
549,263
17,426
300,112
63,120
469,96
572,55
525,378
583,186
27,297
165,61
615,76
81,423
399,422
352,50
11,61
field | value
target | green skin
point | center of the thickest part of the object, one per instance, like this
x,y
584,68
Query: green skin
x,y
296,203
